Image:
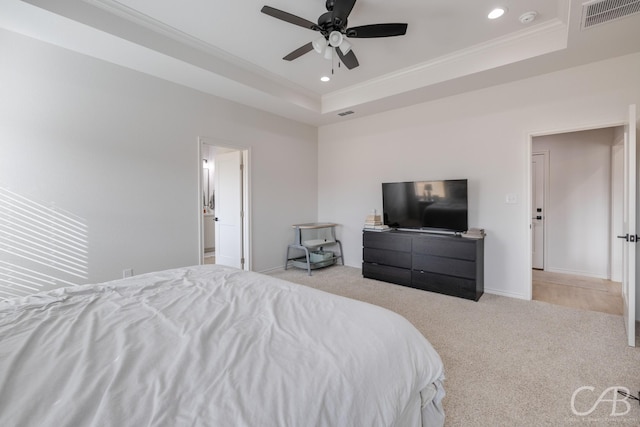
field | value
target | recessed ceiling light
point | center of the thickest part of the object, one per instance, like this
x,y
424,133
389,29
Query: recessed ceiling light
x,y
497,12
325,78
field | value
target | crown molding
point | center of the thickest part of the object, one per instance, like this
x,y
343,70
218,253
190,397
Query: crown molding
x,y
541,39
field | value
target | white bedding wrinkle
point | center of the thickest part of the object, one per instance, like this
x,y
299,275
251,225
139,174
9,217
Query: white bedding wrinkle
x,y
211,346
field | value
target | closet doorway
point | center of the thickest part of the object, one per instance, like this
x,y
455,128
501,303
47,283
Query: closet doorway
x,y
576,208
224,204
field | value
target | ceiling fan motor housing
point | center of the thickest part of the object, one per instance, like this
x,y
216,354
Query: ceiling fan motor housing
x,y
327,24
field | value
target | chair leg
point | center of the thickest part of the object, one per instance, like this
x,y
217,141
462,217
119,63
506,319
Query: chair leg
x,y
286,259
306,251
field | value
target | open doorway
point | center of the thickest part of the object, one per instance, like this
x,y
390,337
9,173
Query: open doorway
x,y
224,232
576,208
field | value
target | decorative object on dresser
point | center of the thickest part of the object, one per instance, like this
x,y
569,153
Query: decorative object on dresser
x,y
374,222
315,256
474,233
447,264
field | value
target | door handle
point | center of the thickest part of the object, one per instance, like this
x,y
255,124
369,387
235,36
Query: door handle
x,y
625,237
538,217
215,218
629,238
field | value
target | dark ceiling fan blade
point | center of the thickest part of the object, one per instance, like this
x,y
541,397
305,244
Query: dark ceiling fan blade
x,y
341,11
287,17
349,60
299,52
377,30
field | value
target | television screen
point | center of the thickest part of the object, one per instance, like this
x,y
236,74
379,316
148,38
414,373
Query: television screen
x,y
437,205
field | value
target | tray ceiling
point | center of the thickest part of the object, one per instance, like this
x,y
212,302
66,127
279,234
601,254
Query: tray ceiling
x,y
232,50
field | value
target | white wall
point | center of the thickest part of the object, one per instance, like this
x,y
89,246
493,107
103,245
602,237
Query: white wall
x,y
483,136
578,215
117,151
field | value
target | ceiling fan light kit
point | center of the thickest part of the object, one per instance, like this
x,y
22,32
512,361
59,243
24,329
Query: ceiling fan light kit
x,y
319,45
333,27
335,38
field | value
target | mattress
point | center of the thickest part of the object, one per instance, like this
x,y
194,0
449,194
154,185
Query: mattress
x,y
212,346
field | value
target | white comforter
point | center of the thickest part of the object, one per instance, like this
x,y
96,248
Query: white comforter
x,y
211,346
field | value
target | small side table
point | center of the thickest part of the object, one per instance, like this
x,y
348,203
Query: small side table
x,y
313,244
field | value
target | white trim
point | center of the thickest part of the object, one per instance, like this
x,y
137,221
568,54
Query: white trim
x,y
505,294
135,16
246,220
528,186
199,207
540,39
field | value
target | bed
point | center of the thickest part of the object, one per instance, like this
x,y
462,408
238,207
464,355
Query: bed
x,y
212,346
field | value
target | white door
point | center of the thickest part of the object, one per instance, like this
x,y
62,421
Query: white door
x,y
629,232
537,210
228,210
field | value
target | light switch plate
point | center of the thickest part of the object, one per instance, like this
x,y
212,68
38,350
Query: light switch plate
x,y
511,199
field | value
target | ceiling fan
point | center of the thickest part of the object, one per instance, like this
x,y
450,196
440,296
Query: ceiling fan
x,y
333,27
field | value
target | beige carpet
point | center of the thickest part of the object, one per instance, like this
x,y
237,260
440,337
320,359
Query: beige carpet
x,y
508,362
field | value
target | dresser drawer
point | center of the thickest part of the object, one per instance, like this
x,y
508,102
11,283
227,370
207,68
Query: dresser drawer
x,y
387,240
456,286
400,276
385,257
459,248
448,266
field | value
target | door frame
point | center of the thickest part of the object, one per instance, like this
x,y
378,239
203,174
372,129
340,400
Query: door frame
x,y
246,196
528,171
545,196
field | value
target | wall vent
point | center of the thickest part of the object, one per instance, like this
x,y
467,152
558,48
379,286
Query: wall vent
x,y
601,11
346,113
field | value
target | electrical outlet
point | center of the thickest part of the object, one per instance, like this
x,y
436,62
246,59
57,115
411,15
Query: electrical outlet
x,y
127,273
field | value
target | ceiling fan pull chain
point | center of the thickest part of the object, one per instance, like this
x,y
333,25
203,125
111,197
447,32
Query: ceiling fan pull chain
x,y
333,63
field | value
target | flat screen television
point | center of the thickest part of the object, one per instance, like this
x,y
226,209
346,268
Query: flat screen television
x,y
426,205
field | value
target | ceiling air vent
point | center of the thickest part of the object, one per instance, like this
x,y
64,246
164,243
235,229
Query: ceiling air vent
x,y
600,11
345,113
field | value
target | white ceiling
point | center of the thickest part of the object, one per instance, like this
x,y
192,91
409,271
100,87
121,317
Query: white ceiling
x,y
231,49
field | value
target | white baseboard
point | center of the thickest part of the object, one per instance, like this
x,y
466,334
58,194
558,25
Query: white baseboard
x,y
506,294
577,273
271,270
